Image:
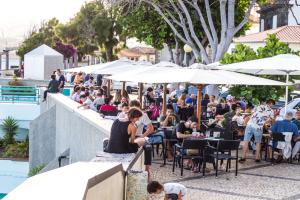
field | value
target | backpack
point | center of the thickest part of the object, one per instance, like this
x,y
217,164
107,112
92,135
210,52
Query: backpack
x,y
154,110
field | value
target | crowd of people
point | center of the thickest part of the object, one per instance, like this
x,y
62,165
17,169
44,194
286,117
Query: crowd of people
x,y
134,126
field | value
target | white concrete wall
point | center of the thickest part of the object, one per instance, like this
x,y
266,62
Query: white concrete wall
x,y
81,130
34,67
296,10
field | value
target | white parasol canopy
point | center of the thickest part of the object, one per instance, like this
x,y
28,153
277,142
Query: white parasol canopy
x,y
285,64
195,76
92,68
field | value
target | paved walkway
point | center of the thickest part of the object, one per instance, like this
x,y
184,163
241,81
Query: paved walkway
x,y
254,181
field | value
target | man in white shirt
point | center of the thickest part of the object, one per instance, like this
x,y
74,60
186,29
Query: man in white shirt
x,y
170,190
260,116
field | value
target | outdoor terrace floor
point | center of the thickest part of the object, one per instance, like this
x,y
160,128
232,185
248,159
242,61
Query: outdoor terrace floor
x,y
254,181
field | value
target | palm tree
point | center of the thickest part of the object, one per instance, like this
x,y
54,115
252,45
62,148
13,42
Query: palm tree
x,y
9,127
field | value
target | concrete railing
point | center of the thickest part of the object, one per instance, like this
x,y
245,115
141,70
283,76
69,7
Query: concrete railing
x,y
62,126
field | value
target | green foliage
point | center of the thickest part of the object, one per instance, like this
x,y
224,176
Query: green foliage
x,y
16,150
9,127
34,171
44,35
273,47
242,53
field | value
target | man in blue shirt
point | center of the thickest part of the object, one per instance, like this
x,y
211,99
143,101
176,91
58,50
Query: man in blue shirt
x,y
287,125
61,80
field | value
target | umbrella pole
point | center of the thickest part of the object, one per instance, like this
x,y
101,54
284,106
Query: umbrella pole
x,y
123,88
164,108
108,87
199,104
286,93
141,94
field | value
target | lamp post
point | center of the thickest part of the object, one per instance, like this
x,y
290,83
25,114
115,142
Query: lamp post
x,y
187,49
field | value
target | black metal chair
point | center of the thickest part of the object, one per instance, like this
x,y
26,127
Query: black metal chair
x,y
223,152
180,152
276,137
160,142
170,137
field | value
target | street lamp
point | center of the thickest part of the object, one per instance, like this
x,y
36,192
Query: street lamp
x,y
187,49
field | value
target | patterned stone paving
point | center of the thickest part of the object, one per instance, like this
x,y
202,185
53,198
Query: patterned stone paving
x,y
254,181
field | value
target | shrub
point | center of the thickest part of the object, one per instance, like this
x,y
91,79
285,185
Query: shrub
x,y
34,171
9,127
17,150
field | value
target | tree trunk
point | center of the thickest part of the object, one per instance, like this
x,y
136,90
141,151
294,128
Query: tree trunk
x,y
171,54
76,60
109,54
177,53
181,57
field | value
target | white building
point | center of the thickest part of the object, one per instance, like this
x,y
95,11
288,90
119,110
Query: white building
x,y
40,63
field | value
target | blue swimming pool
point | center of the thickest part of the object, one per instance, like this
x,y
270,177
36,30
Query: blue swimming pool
x,y
12,174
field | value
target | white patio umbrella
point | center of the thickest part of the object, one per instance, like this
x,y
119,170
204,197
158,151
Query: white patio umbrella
x,y
285,64
199,77
93,68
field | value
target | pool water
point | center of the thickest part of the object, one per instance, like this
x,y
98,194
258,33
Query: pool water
x,y
21,134
12,174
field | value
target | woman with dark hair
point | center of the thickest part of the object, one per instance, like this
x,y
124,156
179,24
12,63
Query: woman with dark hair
x,y
123,134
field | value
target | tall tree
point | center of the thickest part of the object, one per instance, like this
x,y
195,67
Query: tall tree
x,y
92,27
219,28
273,47
36,37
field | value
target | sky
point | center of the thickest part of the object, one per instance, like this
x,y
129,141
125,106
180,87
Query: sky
x,y
18,16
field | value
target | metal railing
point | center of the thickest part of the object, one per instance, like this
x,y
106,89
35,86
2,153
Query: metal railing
x,y
19,94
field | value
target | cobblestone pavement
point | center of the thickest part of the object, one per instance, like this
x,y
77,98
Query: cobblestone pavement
x,y
254,181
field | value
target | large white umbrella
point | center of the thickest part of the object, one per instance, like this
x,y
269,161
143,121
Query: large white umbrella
x,y
285,64
196,76
93,68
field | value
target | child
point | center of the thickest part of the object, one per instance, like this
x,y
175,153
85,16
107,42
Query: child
x,y
173,191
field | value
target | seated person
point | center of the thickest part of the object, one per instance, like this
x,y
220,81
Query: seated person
x,y
222,107
287,126
99,101
124,111
52,87
87,102
184,130
217,122
76,95
170,119
173,191
106,107
123,134
235,111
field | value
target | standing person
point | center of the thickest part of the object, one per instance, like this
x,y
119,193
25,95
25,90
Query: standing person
x,y
89,82
78,78
260,116
52,87
61,80
73,77
148,98
117,98
99,80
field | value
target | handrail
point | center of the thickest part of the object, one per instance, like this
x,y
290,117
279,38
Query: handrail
x,y
19,94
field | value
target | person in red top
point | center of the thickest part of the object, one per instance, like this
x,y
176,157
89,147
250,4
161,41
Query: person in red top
x,y
107,107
